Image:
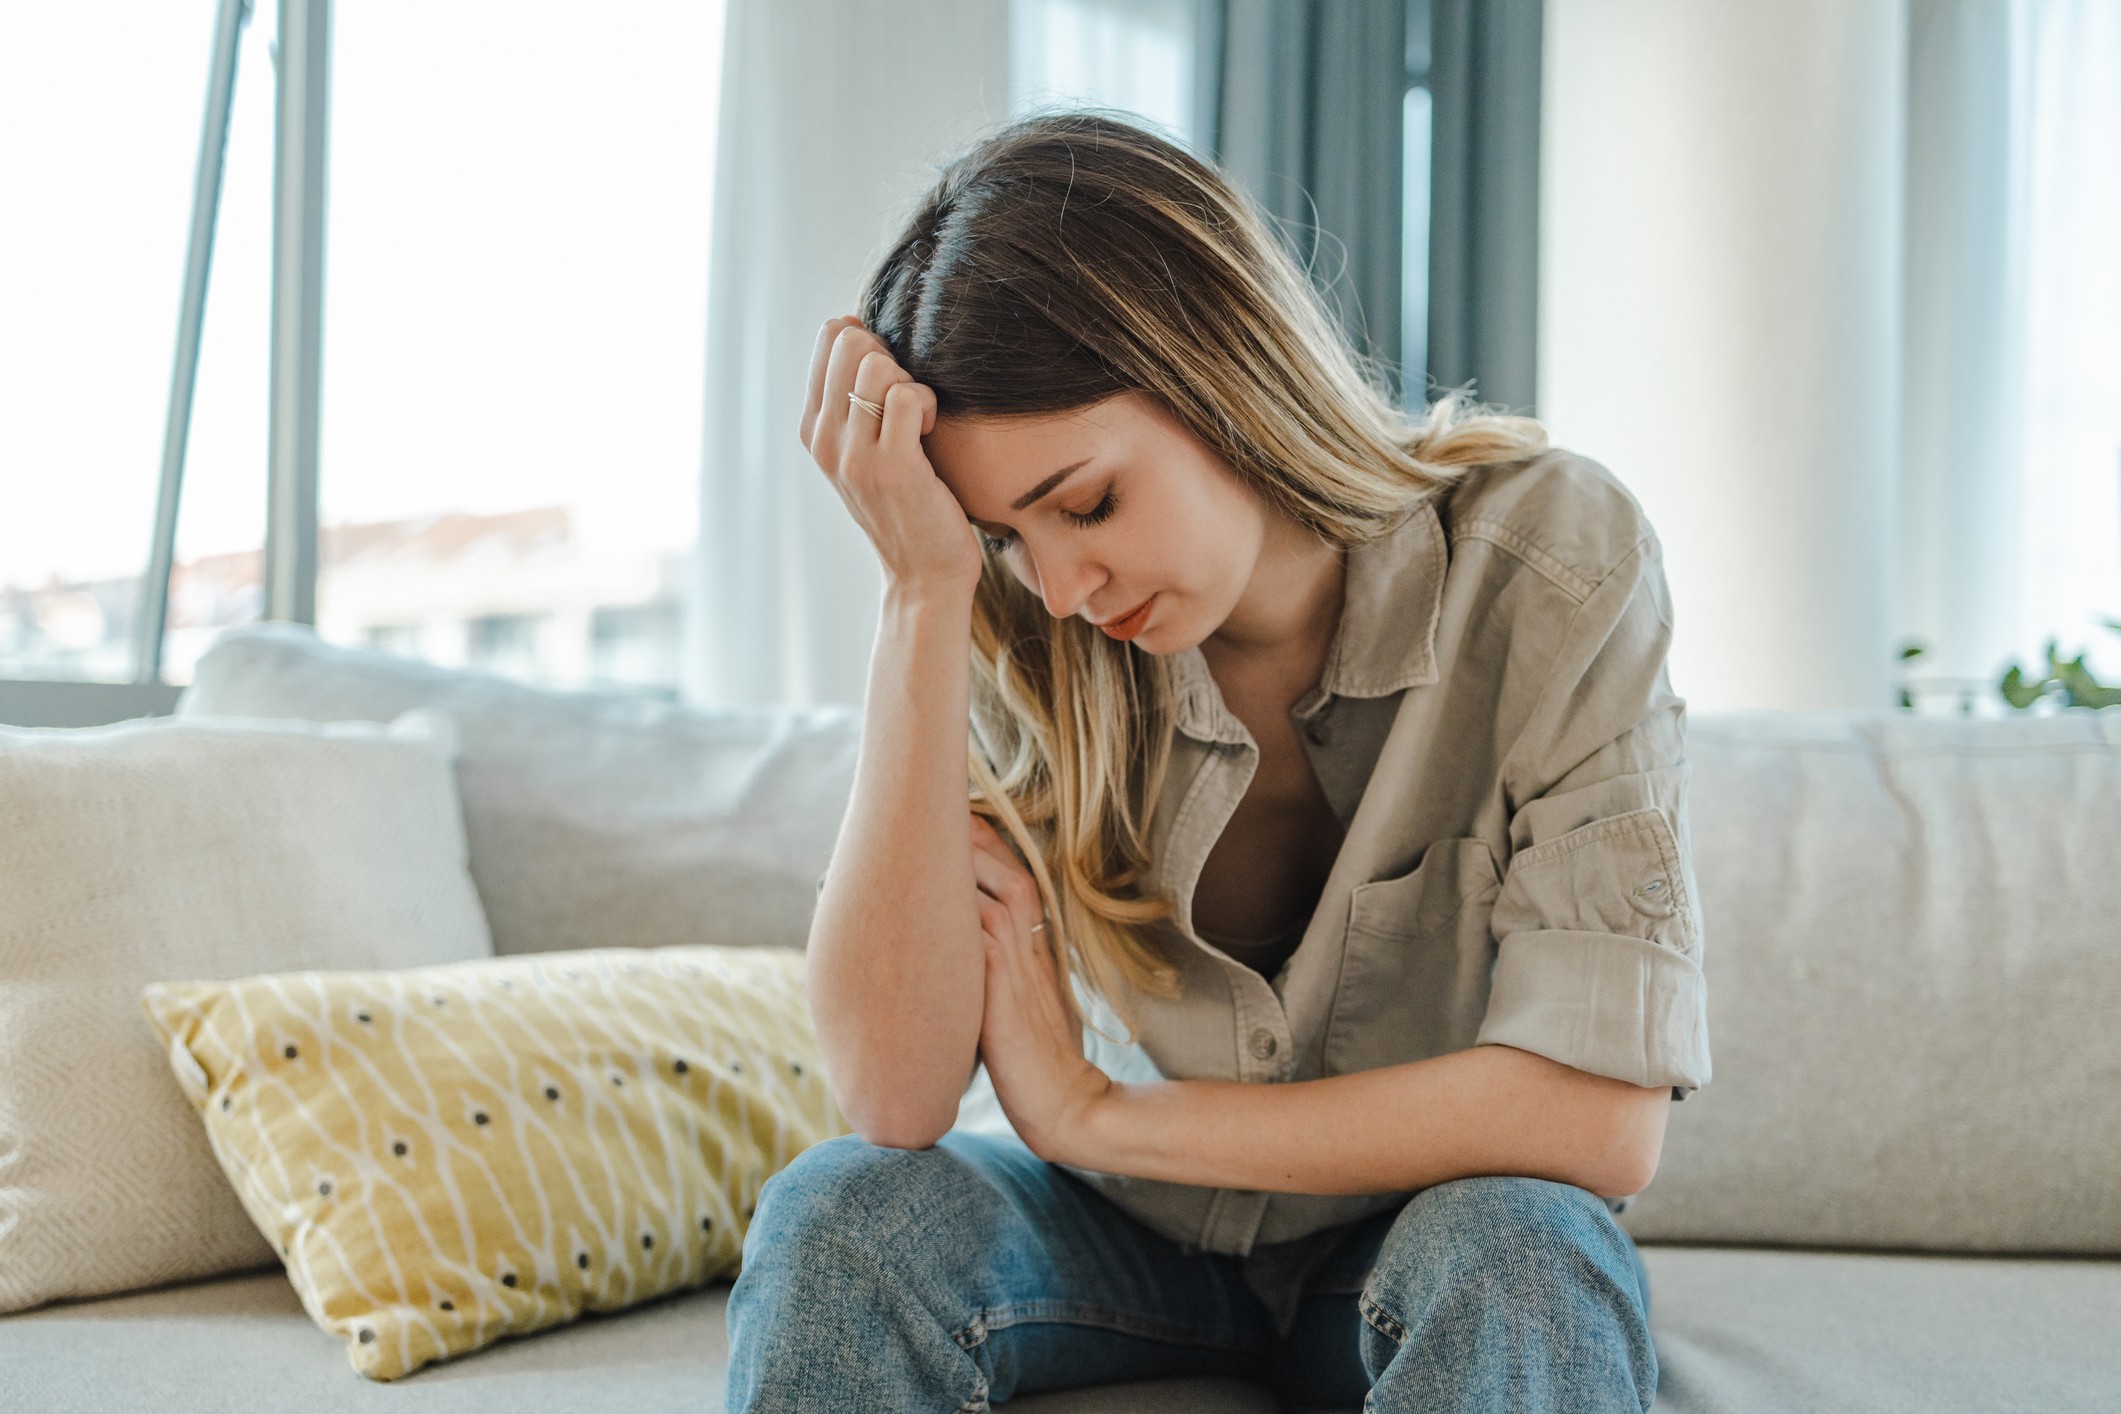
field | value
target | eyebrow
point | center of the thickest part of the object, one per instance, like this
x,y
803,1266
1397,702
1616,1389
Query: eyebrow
x,y
1047,485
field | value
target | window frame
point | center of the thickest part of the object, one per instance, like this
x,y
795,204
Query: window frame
x,y
302,88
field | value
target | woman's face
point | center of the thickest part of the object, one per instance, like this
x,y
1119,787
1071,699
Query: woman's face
x,y
1115,512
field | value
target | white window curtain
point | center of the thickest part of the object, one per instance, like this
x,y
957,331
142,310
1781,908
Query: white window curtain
x,y
1831,285
2011,479
835,114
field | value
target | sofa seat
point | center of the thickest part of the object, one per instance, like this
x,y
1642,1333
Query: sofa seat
x,y
1739,1329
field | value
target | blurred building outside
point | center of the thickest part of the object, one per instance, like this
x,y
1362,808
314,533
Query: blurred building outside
x,y
520,594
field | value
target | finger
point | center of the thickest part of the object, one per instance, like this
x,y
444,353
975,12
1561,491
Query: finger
x,y
1001,878
819,354
874,377
987,838
876,373
829,435
909,414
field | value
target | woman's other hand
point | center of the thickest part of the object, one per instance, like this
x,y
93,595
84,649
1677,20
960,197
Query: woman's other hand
x,y
1030,1038
877,464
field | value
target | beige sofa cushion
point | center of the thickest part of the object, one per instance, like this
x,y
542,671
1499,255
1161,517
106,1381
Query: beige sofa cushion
x,y
159,849
1914,971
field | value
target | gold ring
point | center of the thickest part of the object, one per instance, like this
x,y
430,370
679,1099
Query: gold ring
x,y
866,406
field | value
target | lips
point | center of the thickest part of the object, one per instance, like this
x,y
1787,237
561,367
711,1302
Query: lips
x,y
1130,623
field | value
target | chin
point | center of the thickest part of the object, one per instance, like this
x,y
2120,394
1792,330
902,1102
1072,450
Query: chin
x,y
1162,640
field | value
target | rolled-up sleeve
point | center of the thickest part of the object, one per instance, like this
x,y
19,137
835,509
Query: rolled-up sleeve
x,y
1598,934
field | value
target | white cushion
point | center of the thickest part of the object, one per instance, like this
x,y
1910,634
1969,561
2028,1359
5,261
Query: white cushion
x,y
1913,934
595,819
160,850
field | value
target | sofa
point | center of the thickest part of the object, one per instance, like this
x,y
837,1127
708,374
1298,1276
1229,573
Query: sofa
x,y
1901,1191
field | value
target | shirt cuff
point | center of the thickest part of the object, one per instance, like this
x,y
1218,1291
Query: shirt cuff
x,y
1604,1003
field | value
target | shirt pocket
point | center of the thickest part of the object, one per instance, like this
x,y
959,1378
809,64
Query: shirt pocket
x,y
1417,961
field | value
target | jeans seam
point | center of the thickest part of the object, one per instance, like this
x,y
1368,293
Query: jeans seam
x,y
1381,1320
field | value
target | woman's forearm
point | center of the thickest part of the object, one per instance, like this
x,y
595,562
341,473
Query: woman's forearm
x,y
1488,1110
895,960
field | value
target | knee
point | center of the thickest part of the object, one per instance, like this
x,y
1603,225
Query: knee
x,y
844,1285
1518,1238
845,1192
1515,1285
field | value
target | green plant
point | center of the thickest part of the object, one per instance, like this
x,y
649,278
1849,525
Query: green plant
x,y
1909,651
2069,680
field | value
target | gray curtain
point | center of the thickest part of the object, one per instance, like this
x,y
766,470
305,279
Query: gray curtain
x,y
1303,101
1484,61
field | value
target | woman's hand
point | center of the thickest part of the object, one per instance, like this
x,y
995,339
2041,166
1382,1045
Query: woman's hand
x,y
1030,1037
877,464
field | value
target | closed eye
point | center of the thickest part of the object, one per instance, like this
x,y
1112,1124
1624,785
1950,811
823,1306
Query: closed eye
x,y
1096,515
1097,512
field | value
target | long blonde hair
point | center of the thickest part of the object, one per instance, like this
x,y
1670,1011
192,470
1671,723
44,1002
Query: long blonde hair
x,y
1066,259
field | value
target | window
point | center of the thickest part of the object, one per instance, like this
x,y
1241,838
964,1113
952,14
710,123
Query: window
x,y
515,302
2068,427
514,291
101,105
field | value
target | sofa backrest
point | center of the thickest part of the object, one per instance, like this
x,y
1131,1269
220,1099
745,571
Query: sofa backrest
x,y
592,819
1913,947
1912,925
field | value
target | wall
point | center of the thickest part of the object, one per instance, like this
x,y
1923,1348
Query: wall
x,y
1719,319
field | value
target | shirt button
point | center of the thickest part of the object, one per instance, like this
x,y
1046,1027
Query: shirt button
x,y
1263,1043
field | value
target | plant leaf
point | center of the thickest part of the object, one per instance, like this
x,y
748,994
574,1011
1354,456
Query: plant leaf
x,y
2017,691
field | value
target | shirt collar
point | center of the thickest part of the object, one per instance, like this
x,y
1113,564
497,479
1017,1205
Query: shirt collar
x,y
1386,640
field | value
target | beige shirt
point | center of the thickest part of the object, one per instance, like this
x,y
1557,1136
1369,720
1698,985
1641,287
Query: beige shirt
x,y
1495,730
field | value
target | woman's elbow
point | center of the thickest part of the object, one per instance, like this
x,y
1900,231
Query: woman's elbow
x,y
899,1126
903,1136
1623,1176
1627,1161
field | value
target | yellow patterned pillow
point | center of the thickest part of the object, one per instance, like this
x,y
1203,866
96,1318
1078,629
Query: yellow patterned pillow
x,y
447,1155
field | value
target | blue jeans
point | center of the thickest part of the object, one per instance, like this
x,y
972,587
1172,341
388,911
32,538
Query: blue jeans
x,y
945,1278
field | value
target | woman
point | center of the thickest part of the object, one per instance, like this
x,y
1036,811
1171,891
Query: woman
x,y
1329,755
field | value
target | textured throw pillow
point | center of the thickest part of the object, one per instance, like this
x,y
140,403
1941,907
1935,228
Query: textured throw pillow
x,y
155,849
450,1155
595,819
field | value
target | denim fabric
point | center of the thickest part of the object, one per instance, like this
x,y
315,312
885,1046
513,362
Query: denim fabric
x,y
968,1273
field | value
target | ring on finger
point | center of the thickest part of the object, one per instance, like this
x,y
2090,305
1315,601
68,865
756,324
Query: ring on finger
x,y
876,409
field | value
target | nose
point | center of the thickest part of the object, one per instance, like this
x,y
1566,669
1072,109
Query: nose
x,y
1066,582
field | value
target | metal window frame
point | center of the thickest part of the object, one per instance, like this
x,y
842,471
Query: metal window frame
x,y
151,621
301,130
